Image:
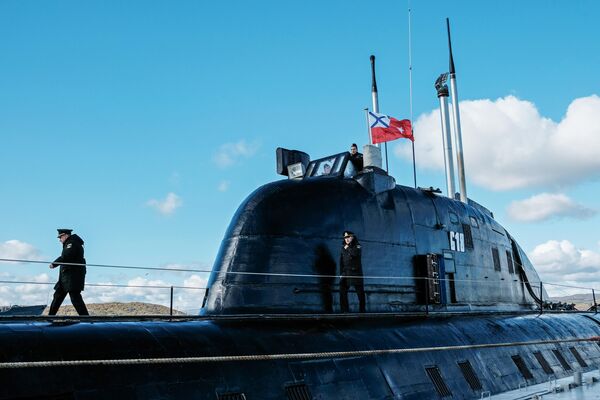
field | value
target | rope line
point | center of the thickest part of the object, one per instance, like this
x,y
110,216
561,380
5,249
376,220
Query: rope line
x,y
269,273
107,265
111,285
15,260
268,357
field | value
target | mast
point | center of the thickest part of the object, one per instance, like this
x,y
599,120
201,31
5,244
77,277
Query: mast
x,y
374,97
410,93
457,131
442,93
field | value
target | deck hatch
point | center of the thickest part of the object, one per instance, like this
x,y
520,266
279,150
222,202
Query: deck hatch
x,y
468,236
496,257
561,360
509,261
298,391
578,357
520,363
470,375
543,362
231,396
437,380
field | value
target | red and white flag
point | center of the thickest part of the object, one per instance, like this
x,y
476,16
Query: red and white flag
x,y
385,128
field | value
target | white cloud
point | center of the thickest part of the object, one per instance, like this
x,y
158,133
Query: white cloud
x,y
188,291
560,262
231,153
25,293
508,144
545,206
223,186
187,299
32,289
166,206
195,281
17,250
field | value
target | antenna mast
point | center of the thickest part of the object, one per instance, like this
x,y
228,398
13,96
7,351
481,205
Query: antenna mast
x,y
410,91
457,131
375,99
374,94
442,93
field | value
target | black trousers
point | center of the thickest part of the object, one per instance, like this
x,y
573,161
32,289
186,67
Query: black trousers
x,y
76,299
358,284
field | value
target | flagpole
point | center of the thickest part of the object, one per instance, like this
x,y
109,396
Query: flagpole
x,y
386,158
411,93
368,125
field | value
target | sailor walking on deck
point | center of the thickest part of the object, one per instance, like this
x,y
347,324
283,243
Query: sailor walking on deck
x,y
71,278
351,272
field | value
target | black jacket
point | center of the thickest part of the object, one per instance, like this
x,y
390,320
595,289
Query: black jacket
x,y
350,260
71,277
357,161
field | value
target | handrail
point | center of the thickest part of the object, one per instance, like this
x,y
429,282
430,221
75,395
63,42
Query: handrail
x,y
110,285
279,274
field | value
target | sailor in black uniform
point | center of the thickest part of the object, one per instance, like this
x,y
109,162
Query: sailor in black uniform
x,y
71,279
351,272
356,158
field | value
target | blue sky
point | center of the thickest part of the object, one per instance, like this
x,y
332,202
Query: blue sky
x,y
143,125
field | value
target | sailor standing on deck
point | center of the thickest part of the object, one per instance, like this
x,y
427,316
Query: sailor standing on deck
x,y
351,272
71,279
356,158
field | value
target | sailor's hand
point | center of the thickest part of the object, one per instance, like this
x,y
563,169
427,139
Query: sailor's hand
x,y
52,266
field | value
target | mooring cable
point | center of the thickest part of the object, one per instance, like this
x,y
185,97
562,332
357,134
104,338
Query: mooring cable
x,y
271,357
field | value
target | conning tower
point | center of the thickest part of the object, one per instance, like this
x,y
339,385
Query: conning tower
x,y
280,253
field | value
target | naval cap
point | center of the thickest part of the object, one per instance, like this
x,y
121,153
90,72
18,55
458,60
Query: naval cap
x,y
64,231
348,234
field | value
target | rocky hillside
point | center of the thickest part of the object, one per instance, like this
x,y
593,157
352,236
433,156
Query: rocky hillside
x,y
134,308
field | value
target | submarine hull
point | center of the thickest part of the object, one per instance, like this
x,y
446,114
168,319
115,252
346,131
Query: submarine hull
x,y
315,375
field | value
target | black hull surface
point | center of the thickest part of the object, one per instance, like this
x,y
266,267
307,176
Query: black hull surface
x,y
318,376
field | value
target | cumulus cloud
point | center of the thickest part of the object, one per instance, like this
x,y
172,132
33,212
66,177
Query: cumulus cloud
x,y
562,263
22,288
223,186
508,144
166,206
39,291
18,250
231,153
187,296
545,206
195,281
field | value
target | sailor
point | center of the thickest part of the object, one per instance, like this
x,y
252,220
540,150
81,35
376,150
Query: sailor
x,y
356,158
351,272
71,279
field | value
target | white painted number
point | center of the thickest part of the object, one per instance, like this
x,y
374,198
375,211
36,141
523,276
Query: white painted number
x,y
457,241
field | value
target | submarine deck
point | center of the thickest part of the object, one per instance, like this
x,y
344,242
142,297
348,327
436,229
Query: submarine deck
x,y
277,317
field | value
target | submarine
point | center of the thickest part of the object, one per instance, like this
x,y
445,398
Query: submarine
x,y
454,308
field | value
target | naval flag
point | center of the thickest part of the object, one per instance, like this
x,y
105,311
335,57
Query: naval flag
x,y
385,128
